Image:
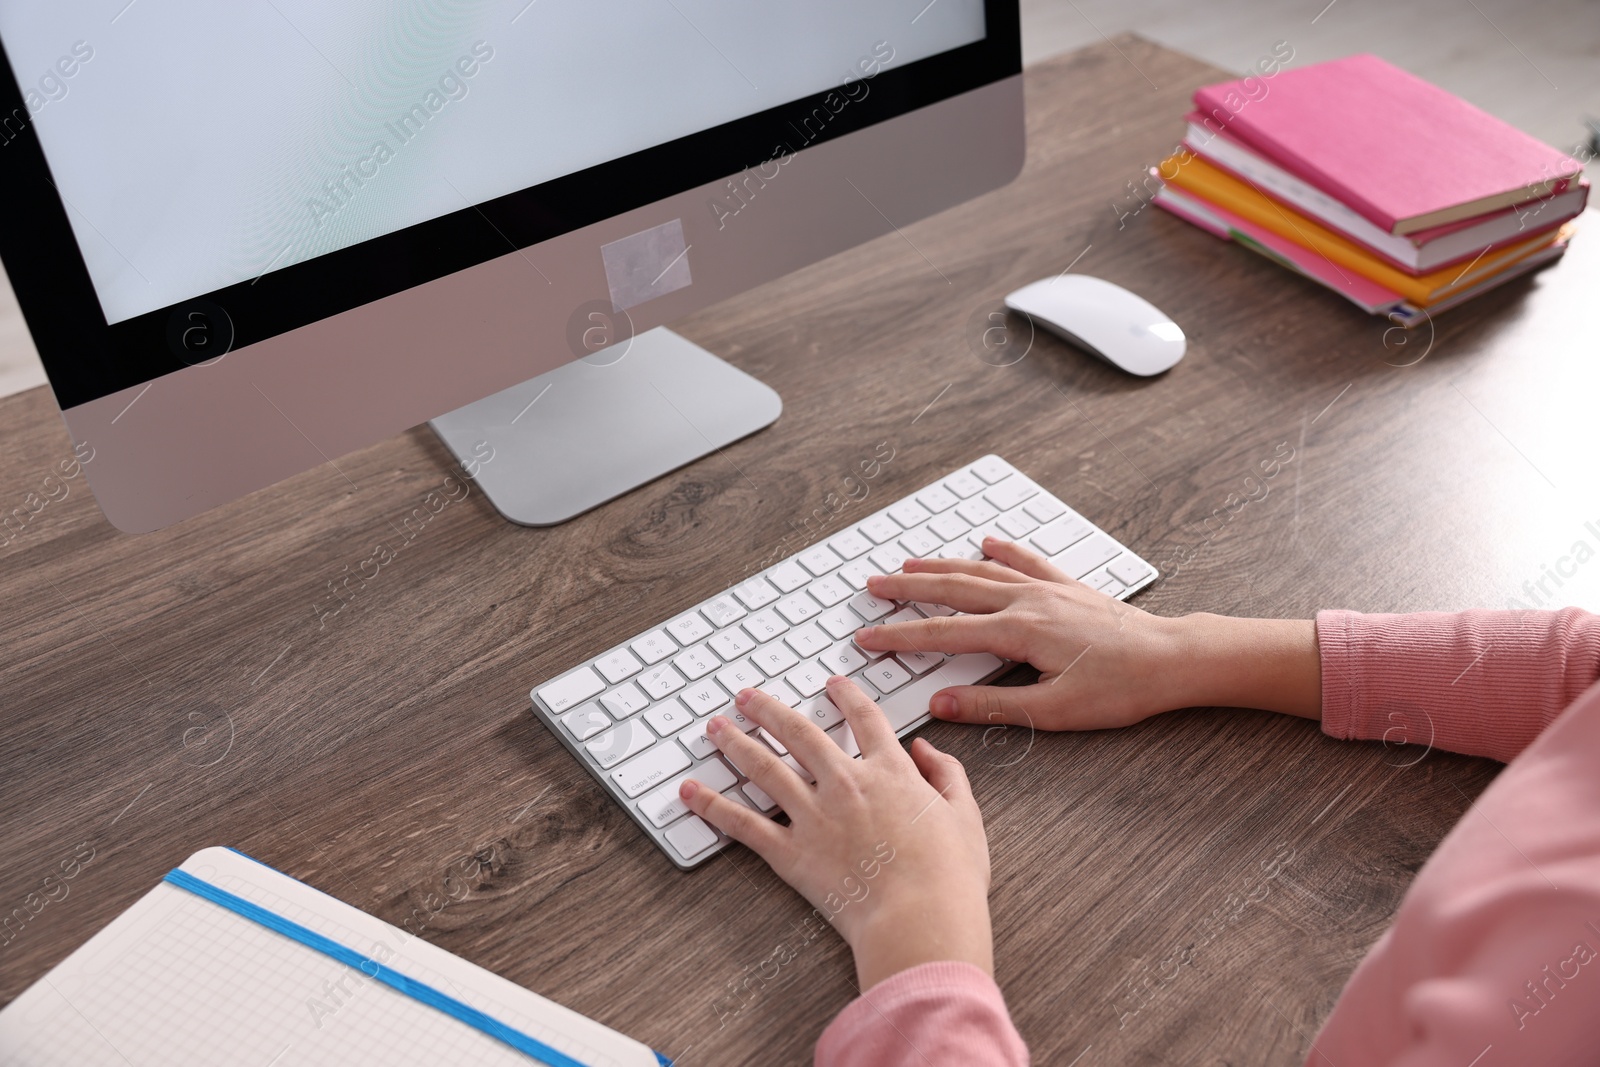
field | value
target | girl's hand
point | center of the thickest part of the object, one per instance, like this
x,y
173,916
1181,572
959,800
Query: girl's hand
x,y
888,847
1101,663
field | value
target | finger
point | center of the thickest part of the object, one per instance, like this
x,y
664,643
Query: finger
x,y
964,592
949,634
944,772
760,764
761,834
990,705
873,734
978,568
804,739
1024,560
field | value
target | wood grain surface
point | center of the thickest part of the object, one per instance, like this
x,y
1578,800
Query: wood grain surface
x,y
1192,890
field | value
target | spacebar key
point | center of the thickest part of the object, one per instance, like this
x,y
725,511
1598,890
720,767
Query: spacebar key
x,y
906,705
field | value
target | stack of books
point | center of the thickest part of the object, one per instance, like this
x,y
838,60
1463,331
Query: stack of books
x,y
1386,189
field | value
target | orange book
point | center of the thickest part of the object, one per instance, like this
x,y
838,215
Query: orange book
x,y
1249,202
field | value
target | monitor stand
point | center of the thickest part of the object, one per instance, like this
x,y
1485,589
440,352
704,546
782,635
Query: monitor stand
x,y
557,445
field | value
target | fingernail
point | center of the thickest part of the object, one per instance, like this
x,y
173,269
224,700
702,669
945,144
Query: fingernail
x,y
836,679
687,789
943,705
910,563
990,539
715,726
744,697
866,632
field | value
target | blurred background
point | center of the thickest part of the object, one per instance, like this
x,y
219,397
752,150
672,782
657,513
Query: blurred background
x,y
1534,64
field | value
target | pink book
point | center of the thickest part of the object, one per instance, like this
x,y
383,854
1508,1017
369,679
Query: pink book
x,y
1401,152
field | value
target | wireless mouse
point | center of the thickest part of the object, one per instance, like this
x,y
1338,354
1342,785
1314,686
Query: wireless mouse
x,y
1122,328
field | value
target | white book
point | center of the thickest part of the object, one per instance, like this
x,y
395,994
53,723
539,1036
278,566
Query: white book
x,y
1403,249
229,961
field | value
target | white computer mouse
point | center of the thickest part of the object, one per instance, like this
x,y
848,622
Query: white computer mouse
x,y
1125,330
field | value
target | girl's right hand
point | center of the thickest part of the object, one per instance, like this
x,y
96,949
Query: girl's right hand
x,y
1102,663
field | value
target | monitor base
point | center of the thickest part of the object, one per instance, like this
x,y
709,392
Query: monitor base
x,y
589,431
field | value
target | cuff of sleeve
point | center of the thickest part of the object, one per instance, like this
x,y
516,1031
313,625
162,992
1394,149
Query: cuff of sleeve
x,y
950,1011
1341,668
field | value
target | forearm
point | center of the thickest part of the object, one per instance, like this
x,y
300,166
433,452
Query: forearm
x,y
1271,664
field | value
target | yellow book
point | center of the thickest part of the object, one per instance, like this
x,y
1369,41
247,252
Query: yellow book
x,y
1214,184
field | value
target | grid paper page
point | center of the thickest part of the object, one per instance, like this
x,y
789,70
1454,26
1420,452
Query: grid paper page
x,y
180,980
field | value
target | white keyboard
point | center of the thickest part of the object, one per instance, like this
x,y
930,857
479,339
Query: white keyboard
x,y
636,714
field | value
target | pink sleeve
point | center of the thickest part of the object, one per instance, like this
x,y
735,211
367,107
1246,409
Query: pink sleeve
x,y
1494,955
934,1015
1484,683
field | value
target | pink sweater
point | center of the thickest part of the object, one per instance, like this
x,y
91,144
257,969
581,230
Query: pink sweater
x,y
1492,956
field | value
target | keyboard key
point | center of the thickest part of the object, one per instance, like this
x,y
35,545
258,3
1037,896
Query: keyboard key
x,y
1017,524
758,797
690,628
809,678
819,560
654,646
620,742
772,741
840,623
798,608
788,576
756,593
703,698
739,718
949,526
909,513
903,615
661,682
977,512
662,804
668,718
1058,535
918,663
618,665
963,485
870,607
880,528
963,549
845,738
933,610
1011,492
738,798
567,693
921,542
697,741
1128,569
991,469
781,691
584,721
807,640
821,711
765,625
774,658
1086,555
888,558
850,544
652,768
1112,588
690,837
936,499
886,675
722,611
910,703
697,662
976,535
732,643
624,701
842,658
1045,508
830,590
856,572
740,674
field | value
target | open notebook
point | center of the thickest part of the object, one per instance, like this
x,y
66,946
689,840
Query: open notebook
x,y
229,961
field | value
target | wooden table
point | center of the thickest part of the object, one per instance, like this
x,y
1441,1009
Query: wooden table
x,y
1193,889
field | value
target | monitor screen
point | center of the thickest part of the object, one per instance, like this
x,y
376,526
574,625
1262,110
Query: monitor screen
x,y
199,145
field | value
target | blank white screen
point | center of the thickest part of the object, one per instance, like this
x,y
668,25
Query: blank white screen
x,y
195,145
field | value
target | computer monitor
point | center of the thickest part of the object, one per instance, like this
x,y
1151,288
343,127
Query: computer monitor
x,y
251,238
